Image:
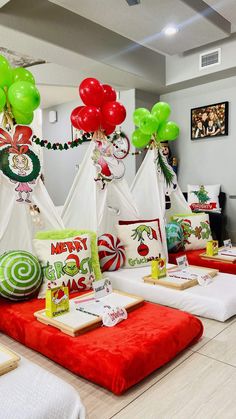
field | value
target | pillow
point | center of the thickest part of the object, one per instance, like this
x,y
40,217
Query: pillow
x,y
20,275
111,252
69,258
196,228
174,237
142,240
204,197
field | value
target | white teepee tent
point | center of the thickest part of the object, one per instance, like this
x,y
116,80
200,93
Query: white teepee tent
x,y
96,204
150,191
17,228
19,207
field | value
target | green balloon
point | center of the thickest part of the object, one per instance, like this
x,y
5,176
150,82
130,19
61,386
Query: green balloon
x,y
149,124
140,140
5,72
2,99
21,74
23,118
24,96
138,114
161,111
168,131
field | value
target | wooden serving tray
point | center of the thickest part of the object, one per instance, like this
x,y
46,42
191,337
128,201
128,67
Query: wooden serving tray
x,y
178,283
8,360
75,322
220,258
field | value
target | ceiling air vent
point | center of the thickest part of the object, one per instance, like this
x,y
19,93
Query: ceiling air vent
x,y
210,58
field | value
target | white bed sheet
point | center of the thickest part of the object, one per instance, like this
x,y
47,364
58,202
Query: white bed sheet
x,y
215,301
31,392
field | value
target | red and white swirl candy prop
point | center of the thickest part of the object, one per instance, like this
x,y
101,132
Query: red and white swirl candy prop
x,y
111,252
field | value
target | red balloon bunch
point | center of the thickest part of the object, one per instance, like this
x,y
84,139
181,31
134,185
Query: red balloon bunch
x,y
101,110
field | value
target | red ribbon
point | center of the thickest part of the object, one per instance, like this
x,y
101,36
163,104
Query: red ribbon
x,y
18,142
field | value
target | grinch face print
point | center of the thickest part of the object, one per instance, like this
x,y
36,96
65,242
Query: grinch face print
x,y
109,167
18,162
72,265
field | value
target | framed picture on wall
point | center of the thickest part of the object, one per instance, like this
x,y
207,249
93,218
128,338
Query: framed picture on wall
x,y
209,121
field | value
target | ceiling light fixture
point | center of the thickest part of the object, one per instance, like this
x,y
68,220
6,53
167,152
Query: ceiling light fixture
x,y
133,2
170,30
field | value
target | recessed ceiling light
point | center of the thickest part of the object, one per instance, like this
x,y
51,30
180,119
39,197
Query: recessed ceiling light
x,y
170,30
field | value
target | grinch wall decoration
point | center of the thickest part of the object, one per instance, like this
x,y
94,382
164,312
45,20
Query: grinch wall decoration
x,y
18,162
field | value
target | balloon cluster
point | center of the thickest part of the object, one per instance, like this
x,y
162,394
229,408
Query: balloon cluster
x,y
153,125
101,111
19,96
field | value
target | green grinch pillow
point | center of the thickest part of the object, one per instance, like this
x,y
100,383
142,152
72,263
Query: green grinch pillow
x,y
69,258
196,229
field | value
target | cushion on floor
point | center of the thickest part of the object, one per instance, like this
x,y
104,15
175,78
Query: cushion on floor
x,y
194,258
216,301
115,358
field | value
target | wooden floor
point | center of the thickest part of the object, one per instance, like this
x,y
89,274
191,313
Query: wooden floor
x,y
200,383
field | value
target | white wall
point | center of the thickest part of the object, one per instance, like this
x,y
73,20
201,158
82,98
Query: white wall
x,y
211,160
60,166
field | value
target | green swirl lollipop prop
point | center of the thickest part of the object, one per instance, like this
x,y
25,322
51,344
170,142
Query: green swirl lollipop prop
x,y
20,275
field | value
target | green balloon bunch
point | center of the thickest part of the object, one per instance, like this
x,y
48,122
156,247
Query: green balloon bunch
x,y
153,125
19,96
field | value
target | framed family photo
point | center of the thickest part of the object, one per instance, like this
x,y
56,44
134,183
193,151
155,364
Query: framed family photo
x,y
209,121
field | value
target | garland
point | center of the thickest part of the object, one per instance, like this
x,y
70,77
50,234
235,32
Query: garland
x,y
84,138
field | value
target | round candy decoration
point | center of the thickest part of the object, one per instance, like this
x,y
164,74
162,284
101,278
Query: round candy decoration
x,y
111,252
20,275
121,146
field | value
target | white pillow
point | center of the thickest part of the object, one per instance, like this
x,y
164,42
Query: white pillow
x,y
196,228
142,240
204,197
65,262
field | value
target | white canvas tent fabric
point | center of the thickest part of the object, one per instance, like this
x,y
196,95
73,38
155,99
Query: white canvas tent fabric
x,y
88,206
17,228
20,189
149,190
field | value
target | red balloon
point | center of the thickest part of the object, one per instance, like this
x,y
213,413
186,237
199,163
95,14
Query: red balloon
x,y
109,93
91,92
89,118
74,116
107,128
114,113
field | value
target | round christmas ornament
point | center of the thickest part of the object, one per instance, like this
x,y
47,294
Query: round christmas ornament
x,y
20,275
174,237
111,252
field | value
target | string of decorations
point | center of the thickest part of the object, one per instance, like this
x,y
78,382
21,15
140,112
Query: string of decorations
x,y
85,137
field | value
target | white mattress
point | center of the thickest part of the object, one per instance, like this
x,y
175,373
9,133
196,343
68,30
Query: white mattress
x,y
31,392
215,301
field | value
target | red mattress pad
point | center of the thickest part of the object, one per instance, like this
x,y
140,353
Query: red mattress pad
x,y
194,258
115,358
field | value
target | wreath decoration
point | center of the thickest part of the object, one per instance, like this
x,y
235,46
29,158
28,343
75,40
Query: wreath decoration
x,y
5,166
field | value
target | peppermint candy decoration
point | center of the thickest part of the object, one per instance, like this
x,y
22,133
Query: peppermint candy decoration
x,y
111,252
20,275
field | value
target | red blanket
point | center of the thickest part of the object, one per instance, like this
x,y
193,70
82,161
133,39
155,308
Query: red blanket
x,y
115,358
194,258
